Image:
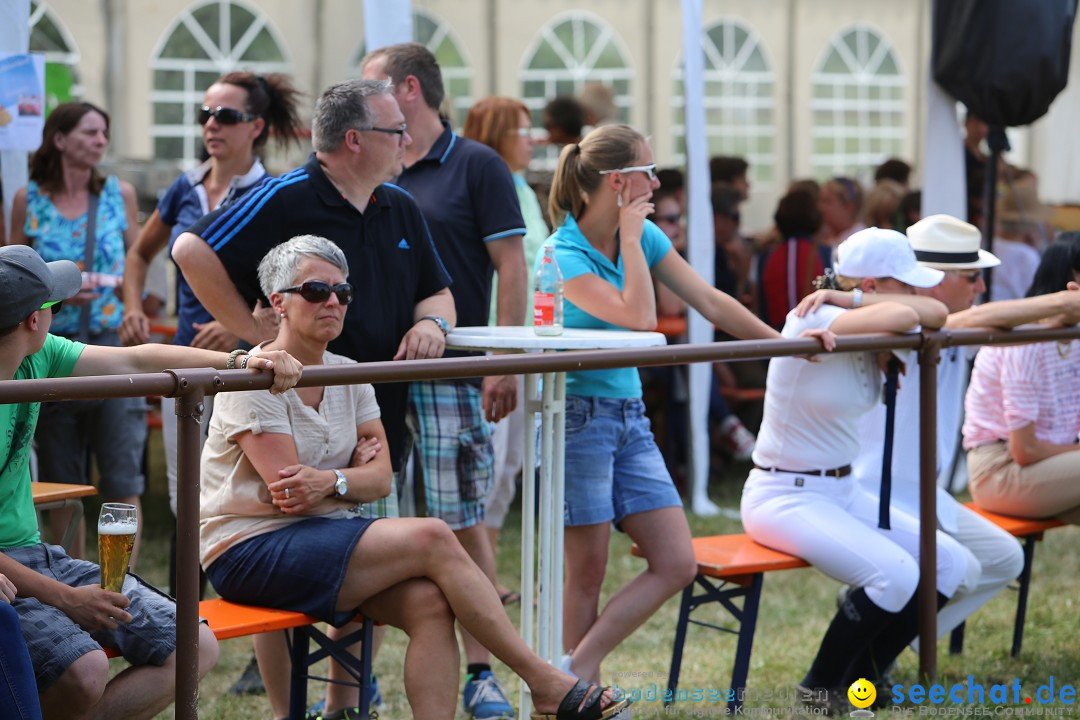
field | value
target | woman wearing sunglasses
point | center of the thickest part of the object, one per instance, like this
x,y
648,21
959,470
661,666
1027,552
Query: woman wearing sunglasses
x,y
238,114
53,214
609,255
284,482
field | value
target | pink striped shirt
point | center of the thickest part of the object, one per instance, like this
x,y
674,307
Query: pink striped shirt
x,y
1012,387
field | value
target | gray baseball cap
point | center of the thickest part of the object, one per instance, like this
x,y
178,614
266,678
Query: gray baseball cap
x,y
27,282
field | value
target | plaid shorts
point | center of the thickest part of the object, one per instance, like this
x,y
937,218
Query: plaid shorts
x,y
446,420
55,641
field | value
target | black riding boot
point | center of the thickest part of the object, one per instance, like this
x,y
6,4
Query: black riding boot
x,y
856,623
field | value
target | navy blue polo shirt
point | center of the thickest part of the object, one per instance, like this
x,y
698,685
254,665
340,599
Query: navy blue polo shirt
x,y
468,197
393,263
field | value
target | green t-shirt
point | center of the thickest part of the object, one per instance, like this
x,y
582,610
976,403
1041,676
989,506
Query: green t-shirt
x,y
18,521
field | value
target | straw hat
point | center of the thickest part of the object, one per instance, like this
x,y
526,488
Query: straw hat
x,y
945,243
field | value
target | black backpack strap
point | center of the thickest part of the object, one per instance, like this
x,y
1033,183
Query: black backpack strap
x,y
892,380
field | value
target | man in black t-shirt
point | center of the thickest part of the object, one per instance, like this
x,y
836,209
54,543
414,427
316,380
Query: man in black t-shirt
x,y
402,300
468,197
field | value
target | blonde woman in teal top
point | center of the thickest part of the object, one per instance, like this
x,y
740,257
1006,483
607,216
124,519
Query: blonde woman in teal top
x,y
609,255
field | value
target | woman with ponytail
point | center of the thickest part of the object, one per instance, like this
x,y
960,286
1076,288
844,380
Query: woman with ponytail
x,y
609,254
238,114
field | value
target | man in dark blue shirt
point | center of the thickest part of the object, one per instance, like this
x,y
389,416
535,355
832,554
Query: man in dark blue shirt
x,y
401,286
467,194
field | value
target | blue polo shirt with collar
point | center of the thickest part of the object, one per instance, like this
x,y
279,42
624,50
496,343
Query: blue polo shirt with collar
x,y
180,207
393,263
468,197
576,256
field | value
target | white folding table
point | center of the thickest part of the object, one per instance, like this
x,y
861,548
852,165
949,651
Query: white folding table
x,y
544,579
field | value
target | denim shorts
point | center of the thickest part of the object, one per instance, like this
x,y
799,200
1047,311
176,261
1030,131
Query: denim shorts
x,y
613,466
300,567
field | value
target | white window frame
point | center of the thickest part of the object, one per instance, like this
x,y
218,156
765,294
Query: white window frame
x,y
222,59
460,104
40,10
579,69
734,103
860,80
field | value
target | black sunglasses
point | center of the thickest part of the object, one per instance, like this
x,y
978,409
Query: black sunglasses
x,y
317,291
224,115
672,218
399,131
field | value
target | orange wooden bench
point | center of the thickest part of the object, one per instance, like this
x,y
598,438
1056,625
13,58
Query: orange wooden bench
x,y
733,566
232,620
729,567
1031,531
56,496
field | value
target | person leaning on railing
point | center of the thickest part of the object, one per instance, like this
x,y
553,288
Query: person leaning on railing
x,y
609,254
60,603
1022,412
283,524
802,497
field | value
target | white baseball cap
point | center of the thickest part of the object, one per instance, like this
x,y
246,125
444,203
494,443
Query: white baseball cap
x,y
945,243
874,253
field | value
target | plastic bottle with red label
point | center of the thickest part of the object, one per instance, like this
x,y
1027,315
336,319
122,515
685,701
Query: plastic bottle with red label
x,y
548,296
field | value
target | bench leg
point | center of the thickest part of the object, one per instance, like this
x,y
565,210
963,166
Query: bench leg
x,y
956,640
1021,603
365,669
747,627
298,652
680,640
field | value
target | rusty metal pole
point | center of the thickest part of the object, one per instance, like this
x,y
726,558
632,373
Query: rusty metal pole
x,y
189,409
929,356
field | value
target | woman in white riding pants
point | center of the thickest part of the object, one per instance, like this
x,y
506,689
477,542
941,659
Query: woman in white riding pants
x,y
801,497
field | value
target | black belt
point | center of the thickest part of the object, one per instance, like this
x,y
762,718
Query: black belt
x,y
839,472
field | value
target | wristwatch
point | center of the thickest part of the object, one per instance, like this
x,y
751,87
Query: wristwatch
x,y
440,321
341,485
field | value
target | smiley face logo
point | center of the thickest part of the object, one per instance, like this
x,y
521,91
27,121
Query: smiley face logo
x,y
862,693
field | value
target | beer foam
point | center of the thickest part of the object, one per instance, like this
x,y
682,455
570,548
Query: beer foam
x,y
118,528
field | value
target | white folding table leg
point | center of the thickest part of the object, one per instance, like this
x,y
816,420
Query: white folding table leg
x,y
544,611
558,489
528,530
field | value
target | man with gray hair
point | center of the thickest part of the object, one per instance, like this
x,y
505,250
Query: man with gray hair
x,y
402,296
468,197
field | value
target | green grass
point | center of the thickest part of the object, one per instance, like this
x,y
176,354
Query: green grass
x,y
795,609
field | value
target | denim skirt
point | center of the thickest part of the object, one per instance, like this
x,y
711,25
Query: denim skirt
x,y
300,567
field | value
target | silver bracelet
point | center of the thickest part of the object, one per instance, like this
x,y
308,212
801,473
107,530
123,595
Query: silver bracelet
x,y
244,361
856,298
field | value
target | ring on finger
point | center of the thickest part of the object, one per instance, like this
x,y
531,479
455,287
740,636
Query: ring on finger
x,y
287,493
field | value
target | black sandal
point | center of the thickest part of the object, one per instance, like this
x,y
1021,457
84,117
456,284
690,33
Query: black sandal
x,y
572,707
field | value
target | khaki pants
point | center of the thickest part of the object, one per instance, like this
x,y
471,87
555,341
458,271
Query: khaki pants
x,y
1048,488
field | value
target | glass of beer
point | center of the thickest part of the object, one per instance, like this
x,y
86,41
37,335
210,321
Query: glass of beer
x,y
117,524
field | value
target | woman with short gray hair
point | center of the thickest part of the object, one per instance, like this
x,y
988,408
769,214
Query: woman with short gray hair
x,y
284,484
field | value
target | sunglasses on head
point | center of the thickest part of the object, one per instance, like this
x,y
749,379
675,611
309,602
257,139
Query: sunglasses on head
x,y
649,170
224,115
317,291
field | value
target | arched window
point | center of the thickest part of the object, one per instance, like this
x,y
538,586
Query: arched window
x,y
203,43
857,105
49,36
568,52
739,102
438,37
